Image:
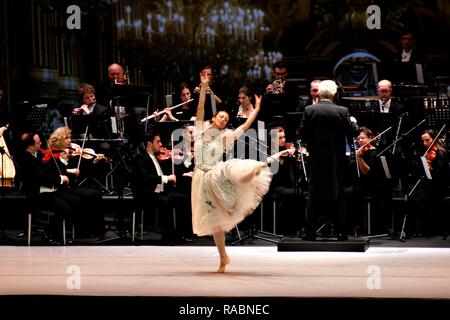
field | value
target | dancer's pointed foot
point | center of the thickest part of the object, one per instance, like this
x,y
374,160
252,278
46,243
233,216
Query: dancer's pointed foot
x,y
223,263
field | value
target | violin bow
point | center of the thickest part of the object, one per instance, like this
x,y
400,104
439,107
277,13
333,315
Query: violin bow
x,y
82,146
376,137
53,156
434,141
357,163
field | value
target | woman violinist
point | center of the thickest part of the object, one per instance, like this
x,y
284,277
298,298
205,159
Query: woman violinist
x,y
424,203
371,182
87,201
438,163
285,186
366,152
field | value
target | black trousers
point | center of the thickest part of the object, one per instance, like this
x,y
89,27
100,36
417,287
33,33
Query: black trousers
x,y
334,210
165,202
80,205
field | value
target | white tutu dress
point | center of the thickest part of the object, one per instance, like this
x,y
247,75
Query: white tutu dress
x,y
224,193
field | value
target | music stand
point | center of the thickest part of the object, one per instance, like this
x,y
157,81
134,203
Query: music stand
x,y
376,121
36,116
436,117
401,72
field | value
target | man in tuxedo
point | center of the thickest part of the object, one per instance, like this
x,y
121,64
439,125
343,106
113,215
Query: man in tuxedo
x,y
393,109
281,95
313,96
96,115
324,129
385,103
154,189
408,51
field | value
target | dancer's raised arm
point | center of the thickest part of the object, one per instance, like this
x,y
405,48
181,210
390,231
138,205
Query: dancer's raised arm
x,y
201,100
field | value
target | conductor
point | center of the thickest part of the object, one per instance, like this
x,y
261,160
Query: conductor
x,y
324,129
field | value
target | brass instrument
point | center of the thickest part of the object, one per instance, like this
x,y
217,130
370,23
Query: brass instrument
x,y
278,86
126,76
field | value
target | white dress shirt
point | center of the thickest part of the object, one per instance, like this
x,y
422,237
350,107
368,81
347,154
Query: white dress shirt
x,y
384,106
164,179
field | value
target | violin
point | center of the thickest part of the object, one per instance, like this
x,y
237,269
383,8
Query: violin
x,y
166,154
86,153
364,149
431,155
297,153
50,153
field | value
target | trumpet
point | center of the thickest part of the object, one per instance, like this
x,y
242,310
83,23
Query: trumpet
x,y
123,78
278,86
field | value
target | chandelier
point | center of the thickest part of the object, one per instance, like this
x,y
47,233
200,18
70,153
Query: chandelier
x,y
175,38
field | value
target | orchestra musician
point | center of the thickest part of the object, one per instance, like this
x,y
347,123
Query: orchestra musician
x,y
285,187
424,203
368,180
95,118
154,189
186,111
313,96
58,158
97,114
385,103
281,95
43,189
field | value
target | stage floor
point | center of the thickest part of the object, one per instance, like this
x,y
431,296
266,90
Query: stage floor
x,y
255,271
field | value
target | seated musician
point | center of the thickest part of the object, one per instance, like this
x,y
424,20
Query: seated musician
x,y
154,189
285,187
99,121
59,157
365,177
186,111
48,189
424,202
96,118
385,103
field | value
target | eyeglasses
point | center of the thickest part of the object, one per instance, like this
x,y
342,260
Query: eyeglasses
x,y
280,73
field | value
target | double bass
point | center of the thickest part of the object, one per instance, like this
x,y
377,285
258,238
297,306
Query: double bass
x,y
7,169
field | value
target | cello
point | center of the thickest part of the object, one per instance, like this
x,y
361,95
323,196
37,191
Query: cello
x,y
7,169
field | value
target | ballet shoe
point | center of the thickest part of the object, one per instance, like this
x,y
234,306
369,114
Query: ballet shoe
x,y
223,263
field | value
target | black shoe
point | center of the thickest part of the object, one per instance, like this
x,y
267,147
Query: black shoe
x,y
309,237
342,237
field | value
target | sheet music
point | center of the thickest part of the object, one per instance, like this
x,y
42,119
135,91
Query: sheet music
x,y
426,168
113,125
419,72
385,167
